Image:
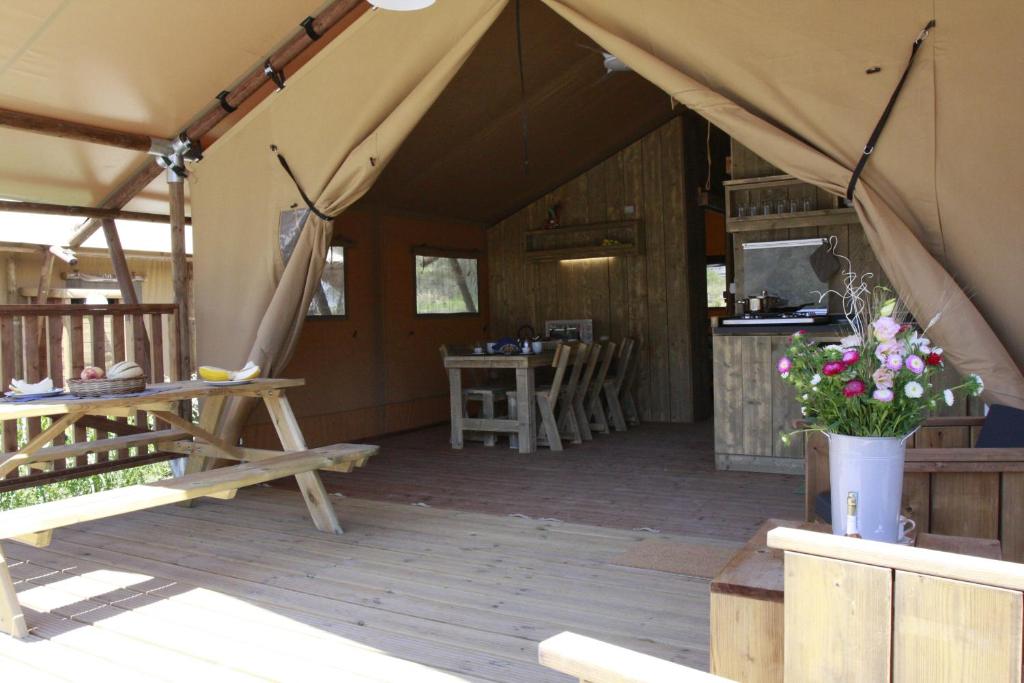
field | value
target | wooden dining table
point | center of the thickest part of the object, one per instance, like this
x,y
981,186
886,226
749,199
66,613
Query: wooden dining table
x,y
525,366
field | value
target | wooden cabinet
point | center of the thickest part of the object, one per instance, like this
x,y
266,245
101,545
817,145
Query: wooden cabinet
x,y
753,406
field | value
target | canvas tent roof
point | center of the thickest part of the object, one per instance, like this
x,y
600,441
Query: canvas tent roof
x,y
940,196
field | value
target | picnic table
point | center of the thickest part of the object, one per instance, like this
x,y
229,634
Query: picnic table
x,y
35,524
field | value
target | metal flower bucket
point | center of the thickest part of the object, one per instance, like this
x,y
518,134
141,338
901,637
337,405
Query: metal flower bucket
x,y
873,468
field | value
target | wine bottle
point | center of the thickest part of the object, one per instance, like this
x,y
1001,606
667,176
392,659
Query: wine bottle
x,y
852,530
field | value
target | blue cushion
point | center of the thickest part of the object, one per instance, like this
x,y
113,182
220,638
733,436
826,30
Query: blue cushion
x,y
1004,428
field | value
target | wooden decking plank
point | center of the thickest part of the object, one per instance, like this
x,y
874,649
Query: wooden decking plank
x,y
199,635
410,549
450,605
178,610
258,548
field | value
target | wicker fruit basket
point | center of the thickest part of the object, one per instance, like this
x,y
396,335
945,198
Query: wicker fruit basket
x,y
98,388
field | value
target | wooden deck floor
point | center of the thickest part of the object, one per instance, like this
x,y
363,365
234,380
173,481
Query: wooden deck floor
x,y
660,476
460,590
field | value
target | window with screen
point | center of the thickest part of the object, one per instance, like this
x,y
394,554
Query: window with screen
x,y
329,299
716,285
446,284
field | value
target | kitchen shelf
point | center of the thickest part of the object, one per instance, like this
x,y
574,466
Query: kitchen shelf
x,y
829,209
584,241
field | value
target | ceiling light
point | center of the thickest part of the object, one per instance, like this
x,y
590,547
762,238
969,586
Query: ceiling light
x,y
401,5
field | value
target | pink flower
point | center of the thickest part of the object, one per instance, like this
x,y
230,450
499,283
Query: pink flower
x,y
833,367
851,357
784,365
854,387
882,378
914,364
894,362
883,395
886,348
885,328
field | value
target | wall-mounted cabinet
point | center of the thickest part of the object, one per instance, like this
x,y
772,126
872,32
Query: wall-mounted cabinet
x,y
781,202
593,240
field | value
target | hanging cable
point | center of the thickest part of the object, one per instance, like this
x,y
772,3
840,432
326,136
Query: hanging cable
x,y
524,117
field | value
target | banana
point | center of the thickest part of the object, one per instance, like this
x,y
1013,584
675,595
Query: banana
x,y
250,371
214,374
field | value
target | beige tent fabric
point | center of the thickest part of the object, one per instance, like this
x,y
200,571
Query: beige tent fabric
x,y
788,81
338,121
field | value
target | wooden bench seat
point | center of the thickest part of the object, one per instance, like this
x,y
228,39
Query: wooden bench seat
x,y
35,524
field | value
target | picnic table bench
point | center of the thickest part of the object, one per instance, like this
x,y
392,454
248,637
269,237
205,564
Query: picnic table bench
x,y
35,524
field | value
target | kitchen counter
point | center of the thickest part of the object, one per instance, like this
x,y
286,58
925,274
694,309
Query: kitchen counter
x,y
752,404
830,330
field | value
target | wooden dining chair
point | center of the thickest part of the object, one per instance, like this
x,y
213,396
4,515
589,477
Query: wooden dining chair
x,y
568,425
579,399
594,410
488,396
613,385
546,400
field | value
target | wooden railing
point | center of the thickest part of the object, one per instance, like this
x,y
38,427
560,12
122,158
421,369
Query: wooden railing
x,y
58,341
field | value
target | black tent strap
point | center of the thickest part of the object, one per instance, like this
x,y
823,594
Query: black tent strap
x,y
302,193
307,24
524,116
222,97
276,75
877,132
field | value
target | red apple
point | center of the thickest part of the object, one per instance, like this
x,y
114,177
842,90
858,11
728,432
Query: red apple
x,y
92,372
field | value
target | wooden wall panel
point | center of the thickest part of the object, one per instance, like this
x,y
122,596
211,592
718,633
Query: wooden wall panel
x,y
945,630
647,296
838,620
378,370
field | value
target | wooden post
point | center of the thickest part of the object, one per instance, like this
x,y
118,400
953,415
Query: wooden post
x,y
124,275
43,293
179,269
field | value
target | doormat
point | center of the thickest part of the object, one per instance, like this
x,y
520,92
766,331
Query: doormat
x,y
677,557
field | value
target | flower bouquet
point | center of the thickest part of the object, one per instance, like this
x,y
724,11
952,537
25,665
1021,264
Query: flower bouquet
x,y
868,394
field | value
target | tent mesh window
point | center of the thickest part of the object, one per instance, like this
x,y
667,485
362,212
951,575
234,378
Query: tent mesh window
x,y
329,298
446,285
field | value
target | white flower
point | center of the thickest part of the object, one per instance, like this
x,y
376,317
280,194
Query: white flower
x,y
913,390
803,411
835,347
851,341
805,397
978,385
938,350
948,395
816,379
784,375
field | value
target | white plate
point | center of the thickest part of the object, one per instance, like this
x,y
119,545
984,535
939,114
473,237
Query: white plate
x,y
42,394
227,382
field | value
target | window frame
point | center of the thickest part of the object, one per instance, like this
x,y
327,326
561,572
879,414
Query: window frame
x,y
344,246
445,252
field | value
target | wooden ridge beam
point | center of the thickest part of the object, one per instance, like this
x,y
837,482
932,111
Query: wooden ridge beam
x,y
85,212
61,128
246,87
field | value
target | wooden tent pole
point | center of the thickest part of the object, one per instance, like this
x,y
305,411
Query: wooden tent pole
x,y
247,86
84,212
179,271
74,131
43,293
121,270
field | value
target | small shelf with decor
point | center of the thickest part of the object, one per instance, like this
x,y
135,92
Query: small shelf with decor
x,y
780,202
591,240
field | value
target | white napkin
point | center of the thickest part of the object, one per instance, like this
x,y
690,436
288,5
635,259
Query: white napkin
x,y
20,386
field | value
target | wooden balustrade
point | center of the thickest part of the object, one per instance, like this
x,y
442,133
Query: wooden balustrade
x,y
58,341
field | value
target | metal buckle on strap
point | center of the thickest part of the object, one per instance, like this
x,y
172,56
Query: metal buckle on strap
x,y
868,149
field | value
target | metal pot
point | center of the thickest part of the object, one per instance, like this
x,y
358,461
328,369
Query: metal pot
x,y
762,302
